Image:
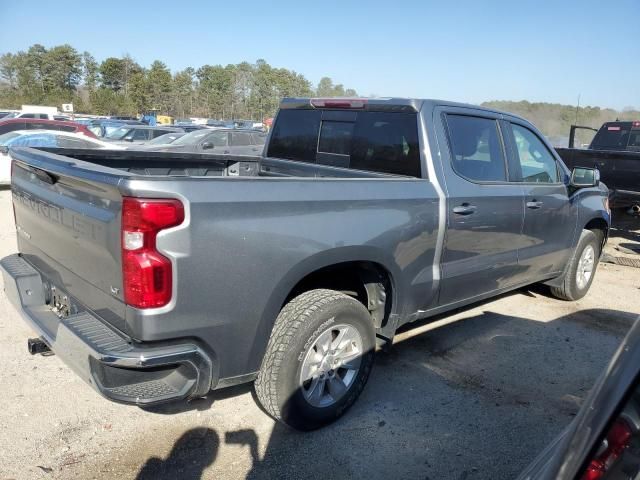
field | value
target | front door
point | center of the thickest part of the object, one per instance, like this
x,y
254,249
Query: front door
x,y
550,219
484,210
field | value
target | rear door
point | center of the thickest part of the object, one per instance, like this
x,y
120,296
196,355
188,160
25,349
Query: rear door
x,y
484,210
550,219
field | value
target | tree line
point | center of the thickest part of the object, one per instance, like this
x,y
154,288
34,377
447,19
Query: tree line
x,y
121,86
555,120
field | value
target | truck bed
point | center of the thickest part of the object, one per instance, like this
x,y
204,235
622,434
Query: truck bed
x,y
619,170
174,164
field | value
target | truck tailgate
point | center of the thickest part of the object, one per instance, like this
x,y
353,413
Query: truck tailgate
x,y
67,216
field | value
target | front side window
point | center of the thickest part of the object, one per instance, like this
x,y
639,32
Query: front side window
x,y
476,148
536,162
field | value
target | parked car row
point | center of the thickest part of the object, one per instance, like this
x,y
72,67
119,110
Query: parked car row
x,y
44,138
220,141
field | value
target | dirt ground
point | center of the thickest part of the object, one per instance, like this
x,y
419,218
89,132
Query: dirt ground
x,y
472,395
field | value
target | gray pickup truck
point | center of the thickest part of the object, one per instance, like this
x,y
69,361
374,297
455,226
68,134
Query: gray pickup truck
x,y
160,276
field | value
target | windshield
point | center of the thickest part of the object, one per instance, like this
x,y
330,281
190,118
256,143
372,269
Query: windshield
x,y
116,133
11,115
6,137
192,138
166,138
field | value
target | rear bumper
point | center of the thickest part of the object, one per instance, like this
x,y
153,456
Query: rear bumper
x,y
119,369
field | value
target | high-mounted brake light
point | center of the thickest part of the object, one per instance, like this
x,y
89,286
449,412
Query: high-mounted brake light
x,y
613,446
146,273
339,102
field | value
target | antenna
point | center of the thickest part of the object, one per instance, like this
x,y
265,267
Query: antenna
x,y
577,108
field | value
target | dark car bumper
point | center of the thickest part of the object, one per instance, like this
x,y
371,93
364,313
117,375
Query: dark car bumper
x,y
118,368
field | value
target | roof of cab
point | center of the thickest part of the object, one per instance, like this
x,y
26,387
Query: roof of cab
x,y
389,104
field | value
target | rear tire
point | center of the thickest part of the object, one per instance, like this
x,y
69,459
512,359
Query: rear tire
x,y
318,359
581,269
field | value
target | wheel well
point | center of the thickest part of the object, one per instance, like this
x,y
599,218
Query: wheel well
x,y
368,282
600,228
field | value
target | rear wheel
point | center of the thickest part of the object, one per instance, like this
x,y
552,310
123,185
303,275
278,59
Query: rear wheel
x,y
581,269
318,359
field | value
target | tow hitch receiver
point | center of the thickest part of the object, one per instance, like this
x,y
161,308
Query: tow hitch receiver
x,y
37,345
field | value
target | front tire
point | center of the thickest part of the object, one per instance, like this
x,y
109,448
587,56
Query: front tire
x,y
318,359
581,269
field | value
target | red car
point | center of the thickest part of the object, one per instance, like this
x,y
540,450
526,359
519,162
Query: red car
x,y
11,124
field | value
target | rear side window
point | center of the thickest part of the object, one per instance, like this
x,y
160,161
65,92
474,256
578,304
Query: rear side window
x,y
373,141
476,148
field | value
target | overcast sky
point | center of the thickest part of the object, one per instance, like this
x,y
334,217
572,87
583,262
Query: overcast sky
x,y
464,50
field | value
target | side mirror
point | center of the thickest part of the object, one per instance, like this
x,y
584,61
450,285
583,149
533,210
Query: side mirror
x,y
582,177
207,146
4,150
128,139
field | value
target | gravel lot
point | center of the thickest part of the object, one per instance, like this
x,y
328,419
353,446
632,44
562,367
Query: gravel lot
x,y
473,395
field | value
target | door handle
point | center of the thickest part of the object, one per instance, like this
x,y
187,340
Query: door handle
x,y
534,205
464,209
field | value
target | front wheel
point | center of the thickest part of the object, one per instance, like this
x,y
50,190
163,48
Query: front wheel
x,y
581,269
318,359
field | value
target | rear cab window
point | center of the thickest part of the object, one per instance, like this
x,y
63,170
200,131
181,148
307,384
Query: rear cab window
x,y
612,136
384,142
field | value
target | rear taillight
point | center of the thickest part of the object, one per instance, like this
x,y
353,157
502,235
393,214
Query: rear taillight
x,y
146,273
613,445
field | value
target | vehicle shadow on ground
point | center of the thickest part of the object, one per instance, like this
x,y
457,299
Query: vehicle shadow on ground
x,y
194,451
477,398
